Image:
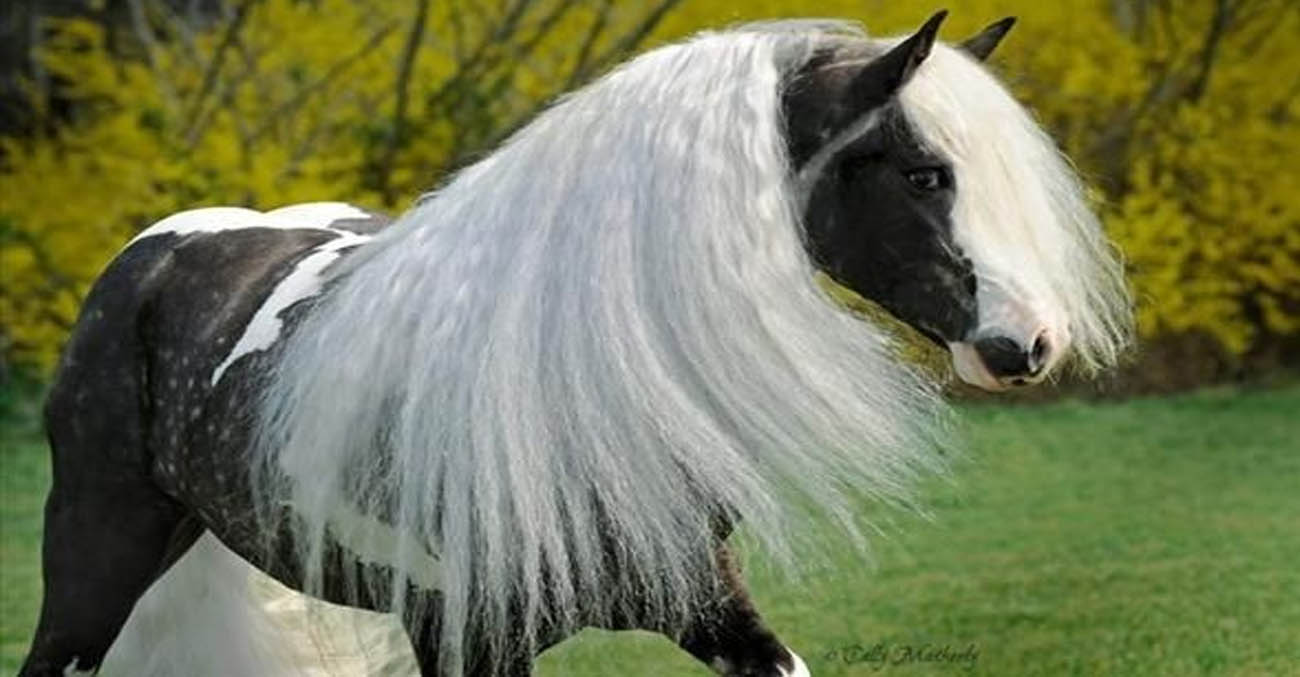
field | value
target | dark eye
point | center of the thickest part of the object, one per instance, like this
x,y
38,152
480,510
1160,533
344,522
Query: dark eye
x,y
927,178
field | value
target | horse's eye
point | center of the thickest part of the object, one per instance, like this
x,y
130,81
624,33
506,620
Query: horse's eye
x,y
927,178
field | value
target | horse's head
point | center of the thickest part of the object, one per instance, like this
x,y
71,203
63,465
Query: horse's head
x,y
906,199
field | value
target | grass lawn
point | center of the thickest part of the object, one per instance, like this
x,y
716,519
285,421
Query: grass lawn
x,y
1150,537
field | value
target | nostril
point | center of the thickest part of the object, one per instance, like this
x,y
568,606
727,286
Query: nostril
x,y
1004,357
1038,353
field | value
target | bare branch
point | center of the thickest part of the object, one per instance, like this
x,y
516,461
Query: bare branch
x,y
40,75
510,23
522,51
478,60
1264,16
180,27
323,81
543,28
582,60
144,35
253,69
233,28
1168,28
628,42
1219,24
456,16
397,132
224,92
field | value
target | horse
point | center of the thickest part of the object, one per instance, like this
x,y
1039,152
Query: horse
x,y
543,397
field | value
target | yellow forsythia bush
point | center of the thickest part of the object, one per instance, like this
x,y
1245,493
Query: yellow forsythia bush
x,y
1184,116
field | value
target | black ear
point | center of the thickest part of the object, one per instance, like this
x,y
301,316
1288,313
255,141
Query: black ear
x,y
881,78
982,45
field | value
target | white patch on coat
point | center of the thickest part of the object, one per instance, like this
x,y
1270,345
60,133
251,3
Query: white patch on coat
x,y
70,670
304,281
312,215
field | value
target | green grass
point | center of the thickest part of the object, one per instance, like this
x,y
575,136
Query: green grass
x,y
1150,537
24,478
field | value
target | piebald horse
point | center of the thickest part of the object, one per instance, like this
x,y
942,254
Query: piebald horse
x,y
543,397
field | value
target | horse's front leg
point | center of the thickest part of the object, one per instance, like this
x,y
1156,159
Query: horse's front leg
x,y
729,636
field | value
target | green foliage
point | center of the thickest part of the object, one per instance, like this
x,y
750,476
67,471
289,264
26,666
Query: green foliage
x,y
1204,191
1183,115
279,101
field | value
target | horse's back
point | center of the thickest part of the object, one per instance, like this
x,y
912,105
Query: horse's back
x,y
170,307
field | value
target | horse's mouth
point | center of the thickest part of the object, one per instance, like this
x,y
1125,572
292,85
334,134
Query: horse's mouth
x,y
971,369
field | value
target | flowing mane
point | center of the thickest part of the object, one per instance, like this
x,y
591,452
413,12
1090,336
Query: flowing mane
x,y
610,326
1020,208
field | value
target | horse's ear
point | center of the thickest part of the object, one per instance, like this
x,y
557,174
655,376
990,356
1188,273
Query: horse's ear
x,y
881,78
982,44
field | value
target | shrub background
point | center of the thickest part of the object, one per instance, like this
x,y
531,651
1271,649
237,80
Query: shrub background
x,y
1183,116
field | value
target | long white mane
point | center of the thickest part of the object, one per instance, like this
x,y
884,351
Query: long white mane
x,y
1021,213
549,375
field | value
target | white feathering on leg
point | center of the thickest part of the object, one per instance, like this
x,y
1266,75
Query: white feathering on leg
x,y
212,614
